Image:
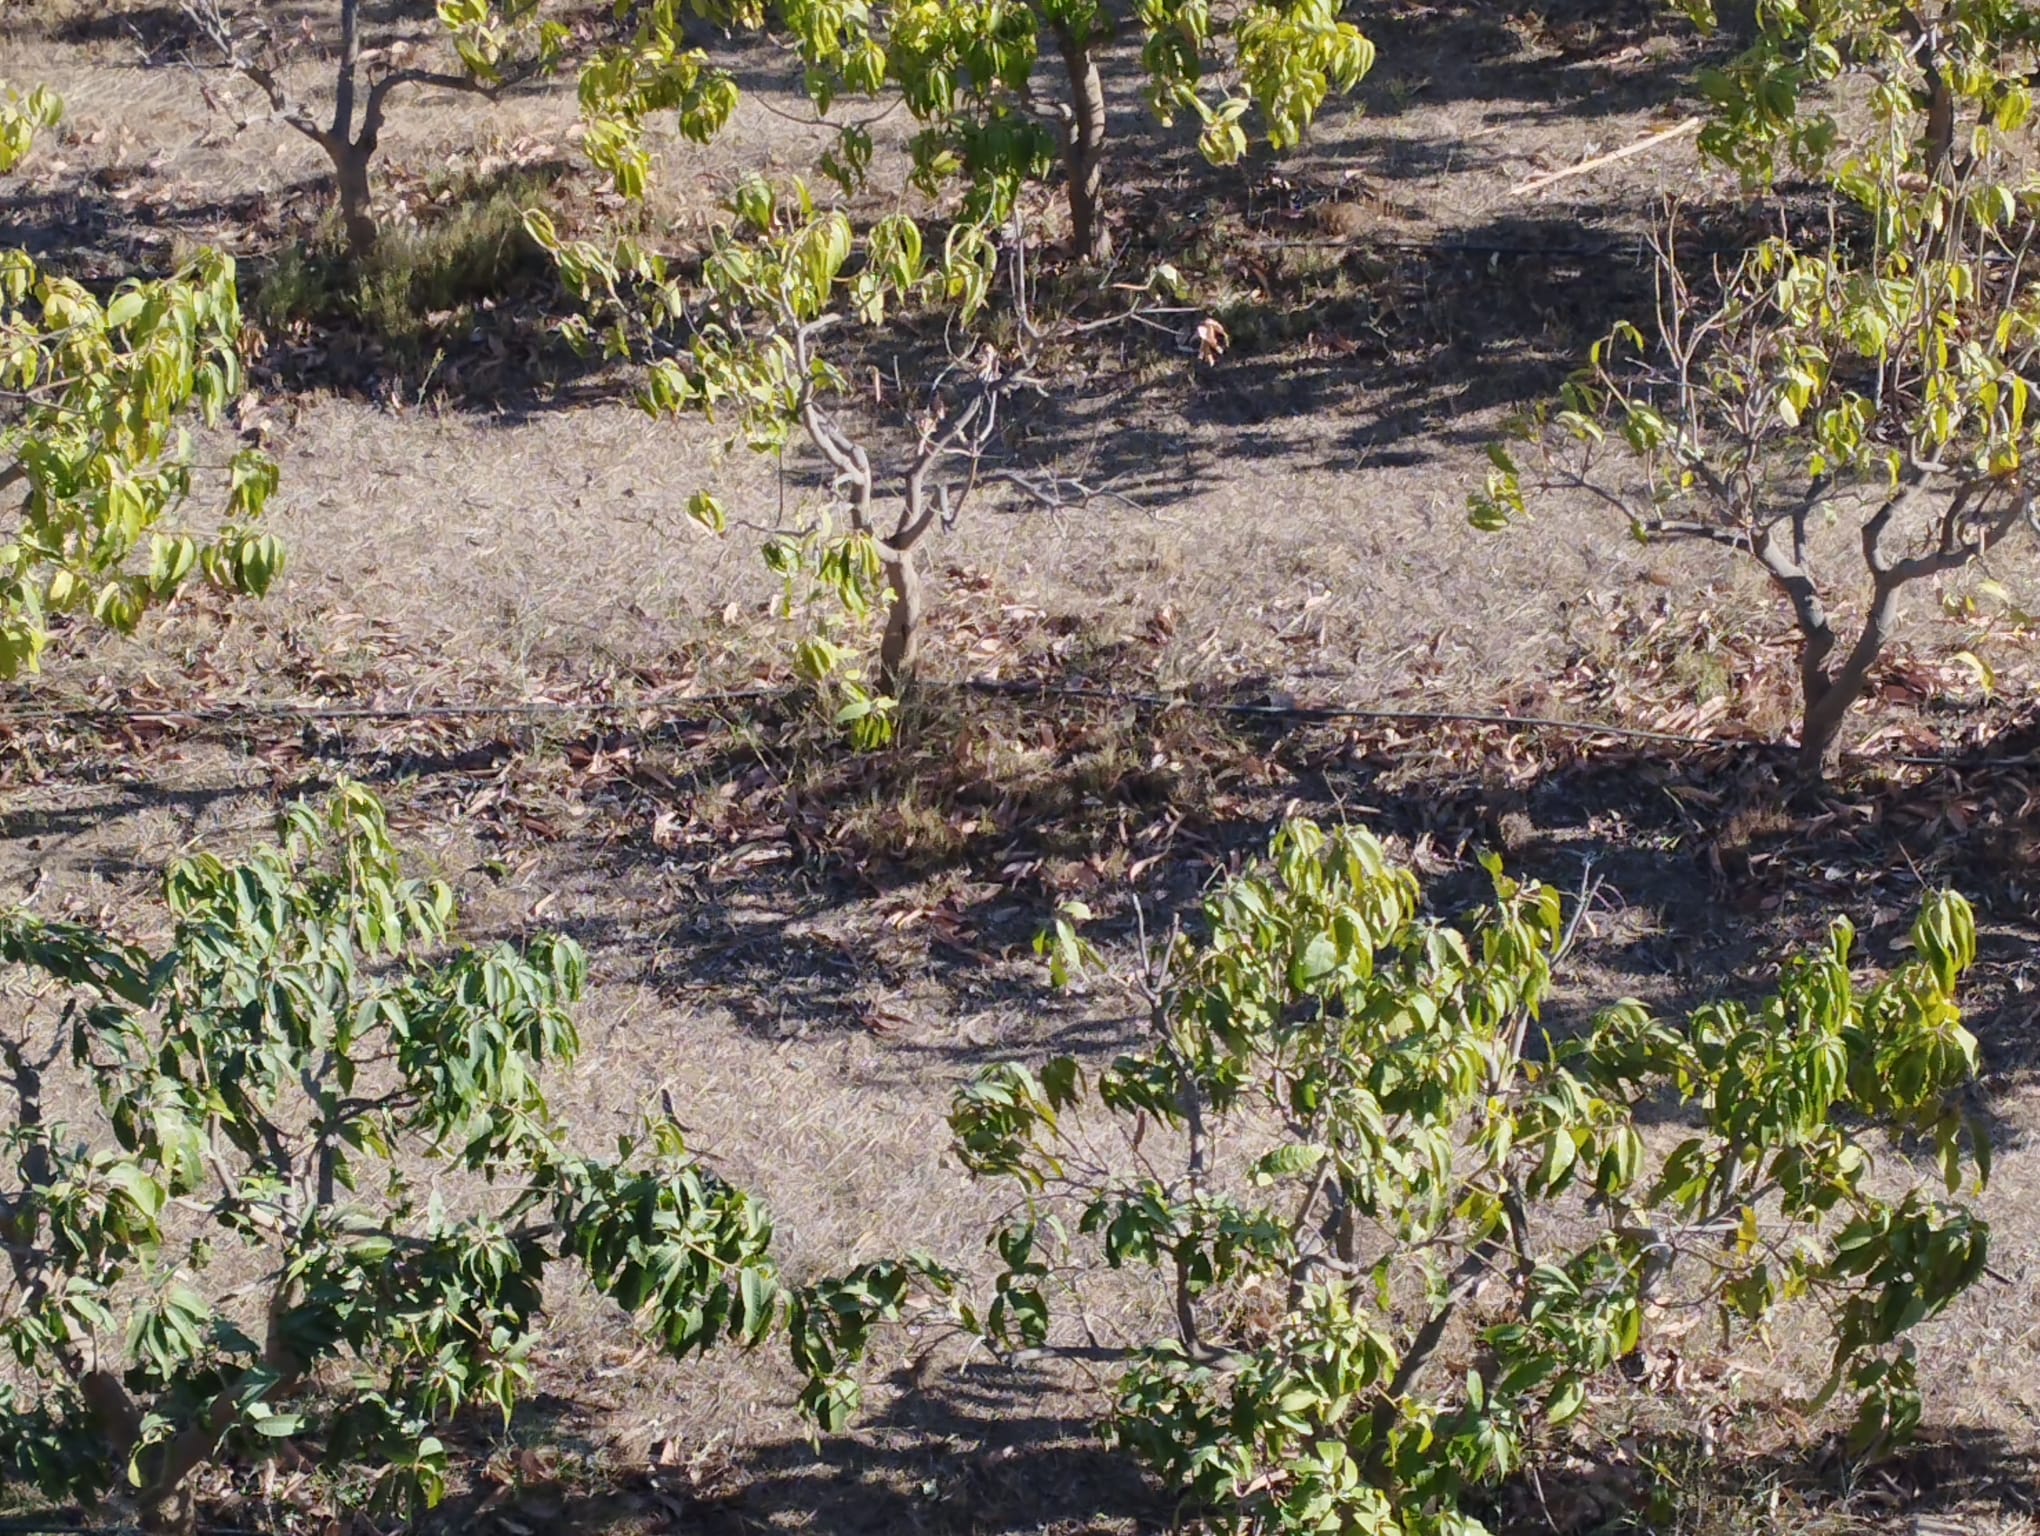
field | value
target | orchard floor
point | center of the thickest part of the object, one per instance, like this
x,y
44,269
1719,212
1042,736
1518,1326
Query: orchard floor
x,y
810,952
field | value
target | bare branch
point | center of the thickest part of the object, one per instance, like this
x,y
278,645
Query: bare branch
x,y
211,21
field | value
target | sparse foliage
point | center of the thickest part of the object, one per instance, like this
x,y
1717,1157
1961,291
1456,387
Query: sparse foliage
x,y
22,117
1395,1236
499,43
776,283
299,1190
779,282
970,73
649,69
92,397
1880,374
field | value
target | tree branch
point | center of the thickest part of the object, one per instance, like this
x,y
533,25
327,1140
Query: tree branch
x,y
212,22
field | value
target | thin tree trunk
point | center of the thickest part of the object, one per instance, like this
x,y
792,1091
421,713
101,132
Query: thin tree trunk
x,y
1084,153
901,649
351,158
1939,140
357,201
350,67
1829,700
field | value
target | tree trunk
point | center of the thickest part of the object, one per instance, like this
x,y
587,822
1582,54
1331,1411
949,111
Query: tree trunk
x,y
1939,143
1084,153
901,648
350,67
350,157
1829,697
357,203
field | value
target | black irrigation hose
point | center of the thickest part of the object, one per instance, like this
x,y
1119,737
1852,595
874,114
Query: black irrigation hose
x,y
1636,247
52,1528
1294,714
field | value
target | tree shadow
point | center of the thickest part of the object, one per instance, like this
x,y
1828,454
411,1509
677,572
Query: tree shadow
x,y
86,229
1584,58
747,861
1953,1477
993,1451
853,884
980,1453
459,304
161,33
164,32
974,1454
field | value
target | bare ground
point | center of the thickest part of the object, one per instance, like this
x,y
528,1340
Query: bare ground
x,y
810,957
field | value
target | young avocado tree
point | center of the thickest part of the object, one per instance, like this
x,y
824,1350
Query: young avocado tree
x,y
1880,375
779,283
970,72
498,43
94,458
290,1187
1393,1238
1892,392
22,117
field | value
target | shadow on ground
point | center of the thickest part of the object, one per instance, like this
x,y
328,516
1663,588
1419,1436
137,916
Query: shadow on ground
x,y
977,1456
807,889
749,863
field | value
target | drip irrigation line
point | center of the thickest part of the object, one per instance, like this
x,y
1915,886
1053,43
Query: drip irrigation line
x,y
1634,247
55,1528
1314,714
387,714
695,705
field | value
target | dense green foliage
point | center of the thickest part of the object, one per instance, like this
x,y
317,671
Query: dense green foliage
x,y
1396,1232
92,437
309,1188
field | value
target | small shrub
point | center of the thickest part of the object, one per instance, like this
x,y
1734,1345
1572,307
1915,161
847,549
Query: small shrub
x,y
477,251
294,289
1344,1168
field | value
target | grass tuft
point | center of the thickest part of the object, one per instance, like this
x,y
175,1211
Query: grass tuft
x,y
426,280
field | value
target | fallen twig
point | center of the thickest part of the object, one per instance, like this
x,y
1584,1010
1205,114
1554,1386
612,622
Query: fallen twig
x,y
1651,141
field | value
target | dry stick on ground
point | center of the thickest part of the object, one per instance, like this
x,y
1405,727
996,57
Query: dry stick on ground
x,y
1648,142
350,147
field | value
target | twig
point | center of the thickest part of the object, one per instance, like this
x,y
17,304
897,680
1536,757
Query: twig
x,y
1651,141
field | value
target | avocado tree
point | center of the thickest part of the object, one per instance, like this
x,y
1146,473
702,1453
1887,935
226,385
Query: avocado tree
x,y
289,1187
94,458
308,1198
1012,90
1393,1233
311,1192
1891,393
497,44
1878,373
758,344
